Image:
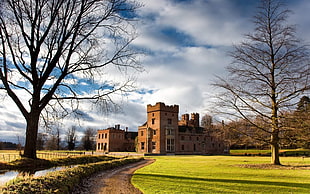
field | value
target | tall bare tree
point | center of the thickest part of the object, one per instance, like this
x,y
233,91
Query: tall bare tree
x,y
49,46
270,69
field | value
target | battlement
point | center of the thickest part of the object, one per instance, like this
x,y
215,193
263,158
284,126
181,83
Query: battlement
x,y
160,106
194,121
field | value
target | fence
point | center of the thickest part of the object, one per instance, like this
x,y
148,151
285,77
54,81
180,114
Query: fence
x,y
7,157
51,155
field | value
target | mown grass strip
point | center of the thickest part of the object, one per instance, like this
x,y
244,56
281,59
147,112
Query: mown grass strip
x,y
223,174
61,181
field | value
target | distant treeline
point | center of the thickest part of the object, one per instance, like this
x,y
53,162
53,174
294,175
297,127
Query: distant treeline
x,y
8,146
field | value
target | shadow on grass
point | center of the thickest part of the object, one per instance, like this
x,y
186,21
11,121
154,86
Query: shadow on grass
x,y
264,183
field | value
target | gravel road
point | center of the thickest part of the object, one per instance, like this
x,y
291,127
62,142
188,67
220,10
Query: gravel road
x,y
112,181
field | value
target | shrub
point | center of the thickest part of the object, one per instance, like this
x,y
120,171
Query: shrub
x,y
61,181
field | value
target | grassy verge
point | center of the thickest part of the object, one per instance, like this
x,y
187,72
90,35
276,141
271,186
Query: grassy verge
x,y
26,163
223,174
61,181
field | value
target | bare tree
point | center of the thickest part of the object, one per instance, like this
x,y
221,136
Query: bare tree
x,y
298,125
53,140
88,140
206,121
71,137
41,141
48,47
270,69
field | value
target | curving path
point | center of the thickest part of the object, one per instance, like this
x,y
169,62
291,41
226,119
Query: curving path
x,y
112,181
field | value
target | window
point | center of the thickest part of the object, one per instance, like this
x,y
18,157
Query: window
x,y
105,135
142,145
153,121
170,131
153,145
182,137
182,147
154,132
141,133
170,145
169,121
197,138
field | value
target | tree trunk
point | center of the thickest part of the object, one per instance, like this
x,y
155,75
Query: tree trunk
x,y
30,150
275,157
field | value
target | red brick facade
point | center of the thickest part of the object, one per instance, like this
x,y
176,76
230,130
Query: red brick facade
x,y
115,140
163,133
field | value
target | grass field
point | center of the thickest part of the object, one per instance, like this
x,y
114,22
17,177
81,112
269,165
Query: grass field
x,y
223,174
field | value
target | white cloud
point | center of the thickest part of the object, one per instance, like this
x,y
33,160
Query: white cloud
x,y
207,22
300,17
187,43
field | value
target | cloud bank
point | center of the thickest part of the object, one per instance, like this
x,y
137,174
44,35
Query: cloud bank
x,y
186,44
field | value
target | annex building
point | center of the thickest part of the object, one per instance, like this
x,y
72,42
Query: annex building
x,y
164,133
115,139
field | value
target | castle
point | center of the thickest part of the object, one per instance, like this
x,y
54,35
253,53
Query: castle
x,y
163,133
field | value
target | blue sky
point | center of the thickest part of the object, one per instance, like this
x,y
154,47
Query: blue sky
x,y
186,42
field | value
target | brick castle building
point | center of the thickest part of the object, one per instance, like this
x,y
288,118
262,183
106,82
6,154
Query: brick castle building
x,y
115,139
163,133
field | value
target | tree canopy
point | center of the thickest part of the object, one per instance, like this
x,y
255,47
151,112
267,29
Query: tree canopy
x,y
270,69
55,53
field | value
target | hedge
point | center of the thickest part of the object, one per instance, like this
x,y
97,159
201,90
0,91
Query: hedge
x,y
63,181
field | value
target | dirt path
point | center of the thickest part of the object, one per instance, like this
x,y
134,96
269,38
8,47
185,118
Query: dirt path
x,y
113,181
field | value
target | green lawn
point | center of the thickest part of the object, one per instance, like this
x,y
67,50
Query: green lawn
x,y
284,152
221,174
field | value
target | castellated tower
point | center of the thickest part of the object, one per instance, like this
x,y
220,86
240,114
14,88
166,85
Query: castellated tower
x,y
162,133
158,134
194,120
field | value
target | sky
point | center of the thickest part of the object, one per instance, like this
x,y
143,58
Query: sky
x,y
185,44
